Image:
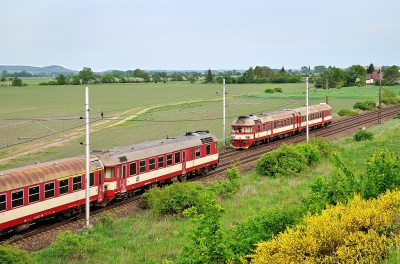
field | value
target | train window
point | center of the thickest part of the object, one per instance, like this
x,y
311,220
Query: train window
x,y
63,186
77,183
264,127
2,202
177,157
160,162
91,179
33,194
17,198
169,159
208,150
274,124
152,164
109,173
49,190
258,128
132,168
142,165
197,152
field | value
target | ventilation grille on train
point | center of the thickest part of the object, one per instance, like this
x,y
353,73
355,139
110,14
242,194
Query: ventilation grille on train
x,y
207,140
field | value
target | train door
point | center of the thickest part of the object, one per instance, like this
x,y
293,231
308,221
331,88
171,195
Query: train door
x,y
123,178
100,186
184,162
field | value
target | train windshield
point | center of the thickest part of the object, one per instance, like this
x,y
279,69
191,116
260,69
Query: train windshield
x,y
242,129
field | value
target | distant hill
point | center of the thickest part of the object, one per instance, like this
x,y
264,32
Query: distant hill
x,y
53,69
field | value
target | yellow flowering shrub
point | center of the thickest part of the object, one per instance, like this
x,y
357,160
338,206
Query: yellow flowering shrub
x,y
359,232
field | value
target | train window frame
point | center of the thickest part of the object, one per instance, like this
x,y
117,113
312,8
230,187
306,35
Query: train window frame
x,y
46,191
132,168
62,187
160,163
77,185
33,197
198,152
142,166
152,164
3,202
169,159
19,199
208,150
99,174
177,154
264,127
91,179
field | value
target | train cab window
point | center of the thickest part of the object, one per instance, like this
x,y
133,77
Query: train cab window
x,y
91,179
17,198
33,194
63,186
142,165
49,190
77,183
132,169
177,157
109,173
161,162
152,164
169,159
208,150
2,202
198,152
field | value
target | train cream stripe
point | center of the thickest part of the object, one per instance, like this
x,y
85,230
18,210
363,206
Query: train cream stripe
x,y
45,205
176,168
262,134
283,129
246,136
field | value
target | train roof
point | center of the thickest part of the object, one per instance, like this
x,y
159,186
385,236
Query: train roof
x,y
46,171
312,108
139,151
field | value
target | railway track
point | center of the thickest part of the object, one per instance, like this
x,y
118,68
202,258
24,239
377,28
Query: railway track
x,y
37,239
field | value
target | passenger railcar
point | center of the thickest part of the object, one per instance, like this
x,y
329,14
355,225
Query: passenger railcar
x,y
31,193
58,188
141,166
252,130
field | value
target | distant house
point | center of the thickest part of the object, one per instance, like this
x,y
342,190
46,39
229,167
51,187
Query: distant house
x,y
371,77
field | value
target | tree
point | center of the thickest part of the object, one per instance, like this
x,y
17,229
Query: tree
x,y
61,79
319,69
141,74
356,73
209,77
156,77
249,75
3,79
304,69
17,82
371,68
86,74
391,74
389,96
282,70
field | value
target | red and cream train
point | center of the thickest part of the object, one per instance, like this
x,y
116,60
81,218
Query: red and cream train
x,y
57,188
253,130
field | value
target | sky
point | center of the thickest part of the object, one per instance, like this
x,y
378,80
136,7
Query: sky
x,y
199,35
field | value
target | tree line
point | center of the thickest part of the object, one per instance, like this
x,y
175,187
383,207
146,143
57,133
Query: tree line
x,y
320,75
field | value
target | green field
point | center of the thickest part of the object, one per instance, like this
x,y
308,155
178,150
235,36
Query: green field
x,y
172,108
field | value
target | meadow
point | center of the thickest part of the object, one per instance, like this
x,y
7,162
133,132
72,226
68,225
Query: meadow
x,y
140,112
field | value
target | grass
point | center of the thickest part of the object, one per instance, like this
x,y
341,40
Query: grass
x,y
173,108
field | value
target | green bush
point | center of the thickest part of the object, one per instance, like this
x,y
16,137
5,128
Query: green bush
x,y
278,89
14,255
347,112
175,198
323,147
227,187
284,160
363,135
370,104
310,152
269,90
71,247
359,105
